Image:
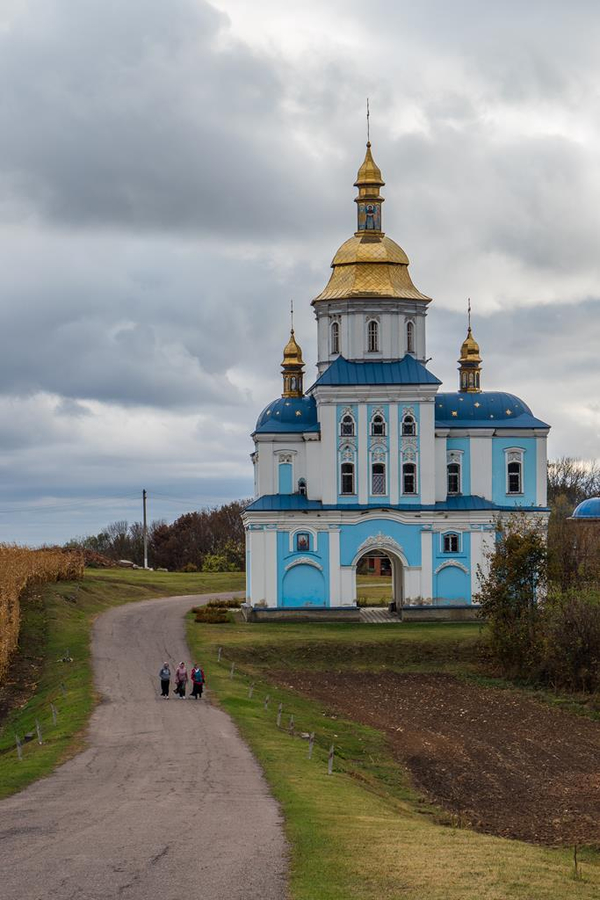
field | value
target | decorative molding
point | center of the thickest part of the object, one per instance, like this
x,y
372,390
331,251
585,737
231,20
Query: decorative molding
x,y
454,456
304,561
380,541
451,563
285,458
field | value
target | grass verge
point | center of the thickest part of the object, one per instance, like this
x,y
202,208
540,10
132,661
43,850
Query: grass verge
x,y
363,832
57,621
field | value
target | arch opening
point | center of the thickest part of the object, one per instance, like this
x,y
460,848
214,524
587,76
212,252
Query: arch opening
x,y
379,579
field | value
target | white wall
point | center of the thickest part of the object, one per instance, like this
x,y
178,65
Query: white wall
x,y
481,464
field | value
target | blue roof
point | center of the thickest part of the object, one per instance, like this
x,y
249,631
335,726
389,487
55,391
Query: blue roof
x,y
588,509
487,409
288,414
401,371
297,502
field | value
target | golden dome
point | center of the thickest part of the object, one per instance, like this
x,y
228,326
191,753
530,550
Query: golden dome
x,y
469,352
292,352
369,265
369,172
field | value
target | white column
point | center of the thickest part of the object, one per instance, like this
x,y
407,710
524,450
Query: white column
x,y
348,585
271,567
481,465
363,461
441,487
541,476
426,452
387,324
329,454
476,560
394,451
334,567
426,565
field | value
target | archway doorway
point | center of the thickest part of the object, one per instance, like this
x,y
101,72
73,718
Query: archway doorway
x,y
379,579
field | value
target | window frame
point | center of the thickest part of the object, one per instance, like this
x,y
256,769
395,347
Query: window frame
x,y
383,473
449,536
414,473
457,474
405,417
302,488
381,421
373,342
343,419
334,338
514,456
410,337
349,474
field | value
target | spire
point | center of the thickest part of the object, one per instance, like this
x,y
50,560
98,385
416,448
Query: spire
x,y
470,362
368,181
292,365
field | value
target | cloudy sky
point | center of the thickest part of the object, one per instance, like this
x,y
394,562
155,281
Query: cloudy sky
x,y
172,173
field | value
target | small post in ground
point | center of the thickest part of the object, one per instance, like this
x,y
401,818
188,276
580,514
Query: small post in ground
x,y
267,698
63,689
279,712
291,725
330,761
250,691
232,670
219,652
19,748
38,728
54,712
311,744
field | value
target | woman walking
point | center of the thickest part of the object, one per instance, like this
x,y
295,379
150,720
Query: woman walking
x,y
165,680
197,681
181,679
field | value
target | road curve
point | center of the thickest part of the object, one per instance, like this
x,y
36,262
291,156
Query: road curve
x,y
166,802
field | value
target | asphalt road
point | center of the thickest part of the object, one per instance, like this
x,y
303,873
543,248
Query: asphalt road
x,y
166,803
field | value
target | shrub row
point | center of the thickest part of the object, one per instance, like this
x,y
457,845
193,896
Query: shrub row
x,y
20,569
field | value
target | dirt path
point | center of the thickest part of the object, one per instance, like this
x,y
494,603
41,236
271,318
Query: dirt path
x,y
503,762
167,803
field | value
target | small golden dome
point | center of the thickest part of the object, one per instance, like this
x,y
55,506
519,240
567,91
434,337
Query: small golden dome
x,y
369,172
292,353
470,349
369,248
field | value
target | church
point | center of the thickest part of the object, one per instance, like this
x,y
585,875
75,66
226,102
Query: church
x,y
373,457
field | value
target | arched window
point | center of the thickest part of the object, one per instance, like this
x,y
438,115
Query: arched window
x,y
373,336
347,486
453,470
302,486
378,478
514,472
409,478
409,426
377,425
410,337
451,542
347,427
335,337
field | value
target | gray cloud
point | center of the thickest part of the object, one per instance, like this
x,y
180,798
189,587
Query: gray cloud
x,y
172,174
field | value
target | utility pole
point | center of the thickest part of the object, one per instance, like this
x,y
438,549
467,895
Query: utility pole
x,y
144,496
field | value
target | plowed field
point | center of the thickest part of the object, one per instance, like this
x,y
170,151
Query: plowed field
x,y
503,762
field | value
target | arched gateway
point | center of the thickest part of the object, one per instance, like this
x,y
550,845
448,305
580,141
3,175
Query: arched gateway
x,y
379,545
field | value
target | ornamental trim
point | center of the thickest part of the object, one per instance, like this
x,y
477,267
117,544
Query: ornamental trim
x,y
304,561
381,541
451,563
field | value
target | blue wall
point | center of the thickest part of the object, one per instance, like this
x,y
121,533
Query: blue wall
x,y
303,584
452,583
402,407
463,444
408,536
499,495
347,498
285,478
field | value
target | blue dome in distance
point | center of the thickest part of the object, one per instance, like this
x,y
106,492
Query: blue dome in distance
x,y
588,509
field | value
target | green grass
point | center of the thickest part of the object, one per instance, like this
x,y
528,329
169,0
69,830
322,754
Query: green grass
x,y
61,620
363,832
376,591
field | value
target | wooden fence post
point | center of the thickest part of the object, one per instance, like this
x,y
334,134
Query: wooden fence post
x,y
311,744
330,761
279,712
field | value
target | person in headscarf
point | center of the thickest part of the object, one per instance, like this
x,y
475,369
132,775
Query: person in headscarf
x,y
165,679
181,679
197,681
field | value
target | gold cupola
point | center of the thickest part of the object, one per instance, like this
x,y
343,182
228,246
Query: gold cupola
x,y
292,368
370,264
470,363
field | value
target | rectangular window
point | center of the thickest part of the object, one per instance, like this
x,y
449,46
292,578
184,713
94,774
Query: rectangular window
x,y
409,478
347,486
378,478
451,543
454,478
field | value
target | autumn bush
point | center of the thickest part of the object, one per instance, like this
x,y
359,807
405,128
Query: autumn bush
x,y
21,569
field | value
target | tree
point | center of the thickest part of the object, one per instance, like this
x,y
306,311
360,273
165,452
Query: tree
x,y
511,591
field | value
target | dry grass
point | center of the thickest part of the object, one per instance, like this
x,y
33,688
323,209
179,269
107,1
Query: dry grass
x,y
21,569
